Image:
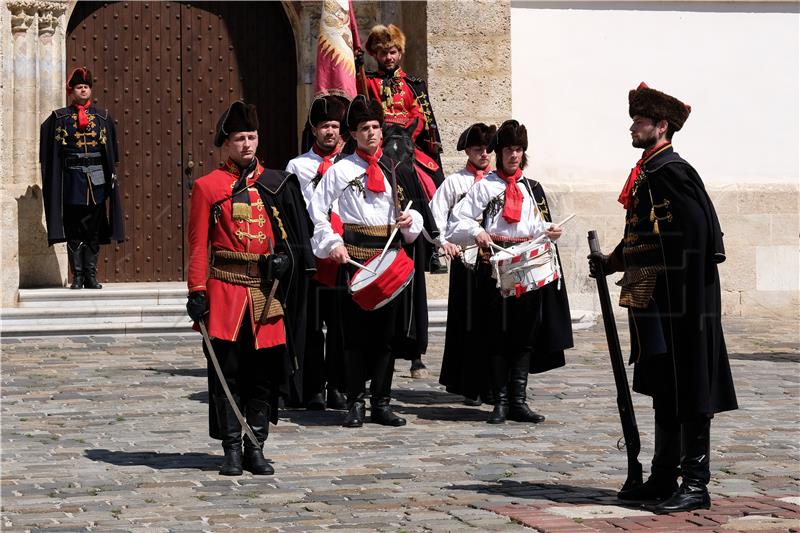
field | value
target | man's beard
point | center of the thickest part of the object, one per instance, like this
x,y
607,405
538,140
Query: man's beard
x,y
327,145
644,142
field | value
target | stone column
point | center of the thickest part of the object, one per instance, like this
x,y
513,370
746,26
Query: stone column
x,y
33,65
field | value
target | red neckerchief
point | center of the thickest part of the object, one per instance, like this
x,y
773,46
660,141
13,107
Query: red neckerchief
x,y
512,209
374,174
327,159
625,195
83,119
477,172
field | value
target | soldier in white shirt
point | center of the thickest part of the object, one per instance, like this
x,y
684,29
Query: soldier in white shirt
x,y
368,207
527,333
464,352
322,365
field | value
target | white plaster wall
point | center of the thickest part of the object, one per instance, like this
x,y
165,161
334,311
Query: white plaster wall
x,y
735,63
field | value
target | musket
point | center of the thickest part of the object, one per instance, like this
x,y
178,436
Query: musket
x,y
630,431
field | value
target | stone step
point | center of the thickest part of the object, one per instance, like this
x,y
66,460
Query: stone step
x,y
136,308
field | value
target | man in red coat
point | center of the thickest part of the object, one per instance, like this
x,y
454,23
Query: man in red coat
x,y
233,290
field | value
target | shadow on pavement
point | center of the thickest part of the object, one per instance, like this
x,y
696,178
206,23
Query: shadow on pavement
x,y
425,397
200,372
464,414
159,461
552,492
200,396
304,417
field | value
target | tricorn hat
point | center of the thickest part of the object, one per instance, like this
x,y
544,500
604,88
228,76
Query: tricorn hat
x,y
238,117
510,133
363,110
650,103
381,36
479,134
79,76
325,108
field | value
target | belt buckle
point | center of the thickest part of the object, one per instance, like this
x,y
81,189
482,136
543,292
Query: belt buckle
x,y
248,272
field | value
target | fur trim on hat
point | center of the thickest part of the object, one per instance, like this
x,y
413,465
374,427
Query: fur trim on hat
x,y
650,103
79,76
479,134
325,108
381,36
238,117
362,110
510,133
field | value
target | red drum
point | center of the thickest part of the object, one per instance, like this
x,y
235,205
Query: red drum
x,y
392,274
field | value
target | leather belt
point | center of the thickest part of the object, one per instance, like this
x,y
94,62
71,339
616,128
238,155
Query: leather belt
x,y
72,161
245,268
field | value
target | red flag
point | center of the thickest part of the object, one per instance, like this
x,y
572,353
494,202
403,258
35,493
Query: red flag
x,y
338,37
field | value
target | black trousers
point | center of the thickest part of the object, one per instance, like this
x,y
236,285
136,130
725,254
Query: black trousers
x,y
323,363
367,337
249,373
83,223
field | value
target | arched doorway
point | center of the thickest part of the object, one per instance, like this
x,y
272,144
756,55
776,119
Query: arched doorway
x,y
166,71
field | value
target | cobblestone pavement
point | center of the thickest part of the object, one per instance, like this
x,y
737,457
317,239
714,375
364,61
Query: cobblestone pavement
x,y
109,434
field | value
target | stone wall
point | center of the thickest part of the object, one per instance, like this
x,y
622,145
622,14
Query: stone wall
x,y
32,58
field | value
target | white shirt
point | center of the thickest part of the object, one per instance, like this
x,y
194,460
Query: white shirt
x,y
305,168
344,182
464,225
449,193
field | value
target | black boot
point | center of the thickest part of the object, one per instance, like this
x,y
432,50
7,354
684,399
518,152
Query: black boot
x,y
90,267
663,480
316,402
500,387
418,369
355,414
336,400
518,410
695,470
257,416
75,257
381,413
231,431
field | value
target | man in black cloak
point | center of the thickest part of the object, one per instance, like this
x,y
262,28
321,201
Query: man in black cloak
x,y
669,255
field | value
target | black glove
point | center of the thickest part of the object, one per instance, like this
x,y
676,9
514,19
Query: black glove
x,y
197,305
277,266
599,260
358,57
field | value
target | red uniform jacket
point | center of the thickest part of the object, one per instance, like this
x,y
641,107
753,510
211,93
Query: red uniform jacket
x,y
228,302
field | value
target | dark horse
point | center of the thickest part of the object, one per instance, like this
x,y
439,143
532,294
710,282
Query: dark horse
x,y
399,146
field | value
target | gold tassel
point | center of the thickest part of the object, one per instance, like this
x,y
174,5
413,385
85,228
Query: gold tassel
x,y
655,227
241,211
654,220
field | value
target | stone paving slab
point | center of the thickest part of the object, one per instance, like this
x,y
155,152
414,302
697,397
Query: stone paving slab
x,y
110,434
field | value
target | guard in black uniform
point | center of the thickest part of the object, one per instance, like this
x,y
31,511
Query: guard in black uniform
x,y
78,153
669,255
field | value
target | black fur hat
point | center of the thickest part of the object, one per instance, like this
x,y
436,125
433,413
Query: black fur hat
x,y
325,108
650,103
80,76
238,117
479,134
362,110
510,133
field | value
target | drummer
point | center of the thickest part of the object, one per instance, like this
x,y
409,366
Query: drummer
x,y
527,333
370,205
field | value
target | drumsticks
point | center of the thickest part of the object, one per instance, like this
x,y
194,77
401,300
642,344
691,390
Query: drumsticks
x,y
359,265
541,237
394,232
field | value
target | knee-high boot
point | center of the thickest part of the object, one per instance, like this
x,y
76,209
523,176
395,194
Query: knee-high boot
x,y
75,256
231,431
518,409
354,377
381,391
90,267
663,480
695,469
499,368
257,416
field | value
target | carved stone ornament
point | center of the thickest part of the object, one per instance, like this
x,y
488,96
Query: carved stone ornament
x,y
23,14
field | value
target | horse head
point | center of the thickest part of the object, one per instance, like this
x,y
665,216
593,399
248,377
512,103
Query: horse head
x,y
397,141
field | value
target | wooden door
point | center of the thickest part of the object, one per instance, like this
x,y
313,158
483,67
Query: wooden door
x,y
166,71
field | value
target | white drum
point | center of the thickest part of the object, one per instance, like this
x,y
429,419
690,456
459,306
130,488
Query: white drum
x,y
525,267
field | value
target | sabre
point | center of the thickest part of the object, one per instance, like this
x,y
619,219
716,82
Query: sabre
x,y
630,431
221,377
